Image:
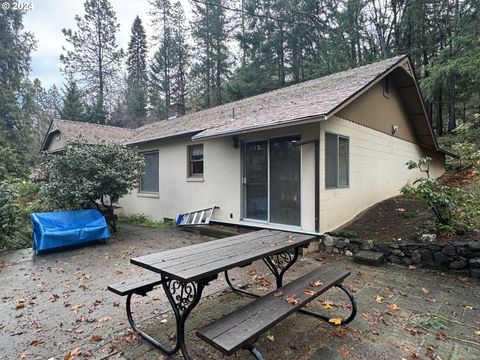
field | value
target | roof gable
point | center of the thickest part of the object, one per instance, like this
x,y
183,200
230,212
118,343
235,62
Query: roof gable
x,y
73,131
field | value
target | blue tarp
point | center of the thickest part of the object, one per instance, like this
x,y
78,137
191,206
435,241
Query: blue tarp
x,y
66,228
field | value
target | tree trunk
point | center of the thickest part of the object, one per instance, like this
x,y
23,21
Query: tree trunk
x,y
440,114
452,121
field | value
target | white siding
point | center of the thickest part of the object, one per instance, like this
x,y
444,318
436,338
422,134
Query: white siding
x,y
377,171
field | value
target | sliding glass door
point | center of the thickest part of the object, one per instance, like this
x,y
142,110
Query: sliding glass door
x,y
272,181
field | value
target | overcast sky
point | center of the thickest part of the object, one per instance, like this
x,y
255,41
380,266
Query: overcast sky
x,y
49,17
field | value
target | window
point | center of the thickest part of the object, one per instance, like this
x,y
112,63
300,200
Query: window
x,y
195,161
336,161
149,180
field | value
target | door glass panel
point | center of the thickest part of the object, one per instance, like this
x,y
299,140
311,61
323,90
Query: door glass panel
x,y
284,182
256,180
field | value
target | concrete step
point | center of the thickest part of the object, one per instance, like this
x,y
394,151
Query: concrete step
x,y
369,258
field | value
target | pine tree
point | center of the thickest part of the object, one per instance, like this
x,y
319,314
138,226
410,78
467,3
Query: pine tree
x,y
170,63
94,58
72,108
213,63
15,122
137,71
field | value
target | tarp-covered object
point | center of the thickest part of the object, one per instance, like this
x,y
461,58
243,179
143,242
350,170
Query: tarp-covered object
x,y
66,228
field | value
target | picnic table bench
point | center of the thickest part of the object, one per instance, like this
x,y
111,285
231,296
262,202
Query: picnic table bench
x,y
184,273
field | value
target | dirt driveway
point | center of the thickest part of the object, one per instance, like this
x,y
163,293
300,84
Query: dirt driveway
x,y
56,303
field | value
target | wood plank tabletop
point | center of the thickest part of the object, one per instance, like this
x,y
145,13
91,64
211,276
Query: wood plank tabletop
x,y
200,261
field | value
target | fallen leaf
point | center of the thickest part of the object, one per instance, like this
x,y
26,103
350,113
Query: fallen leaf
x,y
118,272
53,298
365,315
309,292
72,354
278,293
393,306
96,338
261,281
339,331
335,321
425,291
104,318
19,305
315,283
37,342
271,338
441,336
327,304
378,299
292,299
74,308
477,332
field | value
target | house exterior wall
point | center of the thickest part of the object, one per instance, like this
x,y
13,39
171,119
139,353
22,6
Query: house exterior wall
x,y
377,170
221,184
380,111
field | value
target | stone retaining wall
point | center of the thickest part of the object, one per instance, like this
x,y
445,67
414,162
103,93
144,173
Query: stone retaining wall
x,y
461,258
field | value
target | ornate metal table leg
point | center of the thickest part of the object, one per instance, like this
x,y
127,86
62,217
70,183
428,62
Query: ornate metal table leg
x,y
183,297
280,263
167,350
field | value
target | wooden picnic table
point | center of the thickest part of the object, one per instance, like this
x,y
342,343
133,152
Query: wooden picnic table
x,y
185,272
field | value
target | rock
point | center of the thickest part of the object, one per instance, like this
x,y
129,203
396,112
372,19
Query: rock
x,y
369,258
407,250
398,253
329,240
416,257
426,255
384,249
353,247
474,263
407,261
367,245
434,247
348,253
474,246
449,250
313,247
463,251
440,258
458,265
427,238
342,243
395,259
475,273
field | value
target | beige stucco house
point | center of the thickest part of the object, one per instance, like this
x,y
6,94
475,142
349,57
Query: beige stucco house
x,y
307,157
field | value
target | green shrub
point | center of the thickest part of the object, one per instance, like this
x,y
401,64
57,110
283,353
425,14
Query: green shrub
x,y
454,208
18,199
88,176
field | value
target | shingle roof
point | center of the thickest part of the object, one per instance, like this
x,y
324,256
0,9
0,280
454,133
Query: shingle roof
x,y
91,133
313,98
